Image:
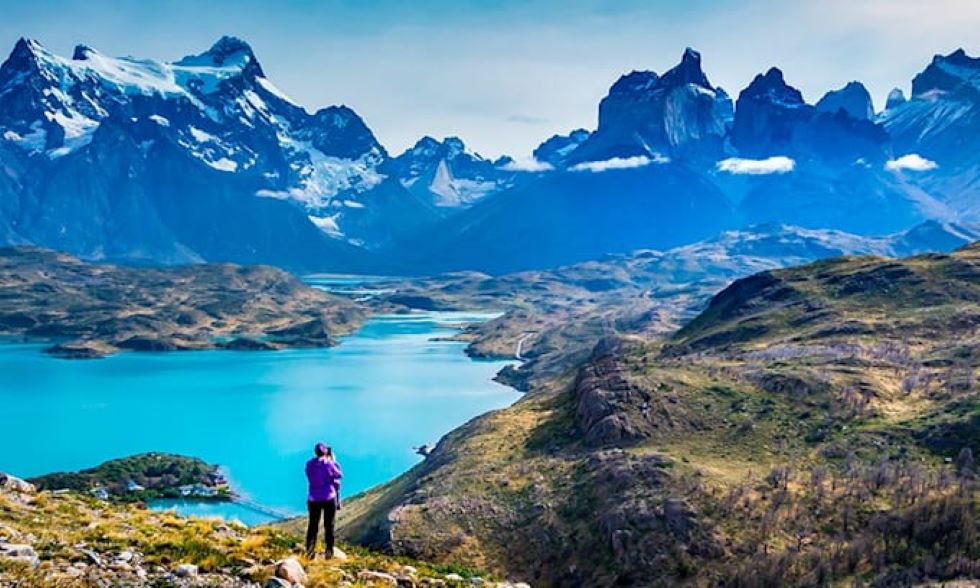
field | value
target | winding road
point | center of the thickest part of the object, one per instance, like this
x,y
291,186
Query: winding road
x,y
520,344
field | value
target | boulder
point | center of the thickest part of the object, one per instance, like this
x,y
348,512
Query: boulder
x,y
291,570
372,577
19,552
185,570
10,483
277,583
92,557
126,556
339,555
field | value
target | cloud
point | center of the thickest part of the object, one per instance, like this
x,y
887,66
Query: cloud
x,y
327,224
618,163
911,162
778,164
527,119
526,165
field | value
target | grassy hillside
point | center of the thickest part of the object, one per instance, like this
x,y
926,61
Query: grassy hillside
x,y
72,540
813,425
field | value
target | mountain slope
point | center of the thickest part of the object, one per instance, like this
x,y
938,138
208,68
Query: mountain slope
x,y
570,216
795,432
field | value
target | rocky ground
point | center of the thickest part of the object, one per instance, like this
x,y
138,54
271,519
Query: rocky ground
x,y
91,310
811,426
71,540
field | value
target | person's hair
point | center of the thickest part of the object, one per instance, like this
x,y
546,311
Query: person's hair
x,y
321,450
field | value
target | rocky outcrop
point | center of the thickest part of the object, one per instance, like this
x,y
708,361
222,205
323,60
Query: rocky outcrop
x,y
608,406
612,407
645,526
14,485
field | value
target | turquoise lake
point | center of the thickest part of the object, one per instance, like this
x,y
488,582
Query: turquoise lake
x,y
389,387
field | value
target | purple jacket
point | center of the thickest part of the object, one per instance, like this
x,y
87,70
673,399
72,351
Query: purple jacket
x,y
324,477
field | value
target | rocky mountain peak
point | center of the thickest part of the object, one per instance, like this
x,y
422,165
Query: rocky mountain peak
x,y
227,51
557,148
773,87
634,82
81,52
23,57
949,73
677,114
895,99
959,57
688,71
431,149
454,146
853,98
339,131
25,47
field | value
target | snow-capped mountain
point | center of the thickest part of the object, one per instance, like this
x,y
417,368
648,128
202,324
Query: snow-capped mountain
x,y
95,140
204,158
448,174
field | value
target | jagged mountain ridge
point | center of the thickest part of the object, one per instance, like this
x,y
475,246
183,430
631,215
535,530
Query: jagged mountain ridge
x,y
774,158
204,159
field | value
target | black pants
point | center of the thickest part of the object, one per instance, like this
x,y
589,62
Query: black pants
x,y
327,509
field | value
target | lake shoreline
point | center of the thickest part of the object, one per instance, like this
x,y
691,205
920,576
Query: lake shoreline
x,y
443,379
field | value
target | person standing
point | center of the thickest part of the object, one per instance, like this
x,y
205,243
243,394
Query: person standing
x,y
323,475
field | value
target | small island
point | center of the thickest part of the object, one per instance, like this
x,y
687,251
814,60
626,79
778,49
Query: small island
x,y
143,477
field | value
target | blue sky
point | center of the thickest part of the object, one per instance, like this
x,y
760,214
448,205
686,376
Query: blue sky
x,y
505,75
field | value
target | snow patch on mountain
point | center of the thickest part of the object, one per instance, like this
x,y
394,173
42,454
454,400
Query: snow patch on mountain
x,y
322,177
778,164
457,191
